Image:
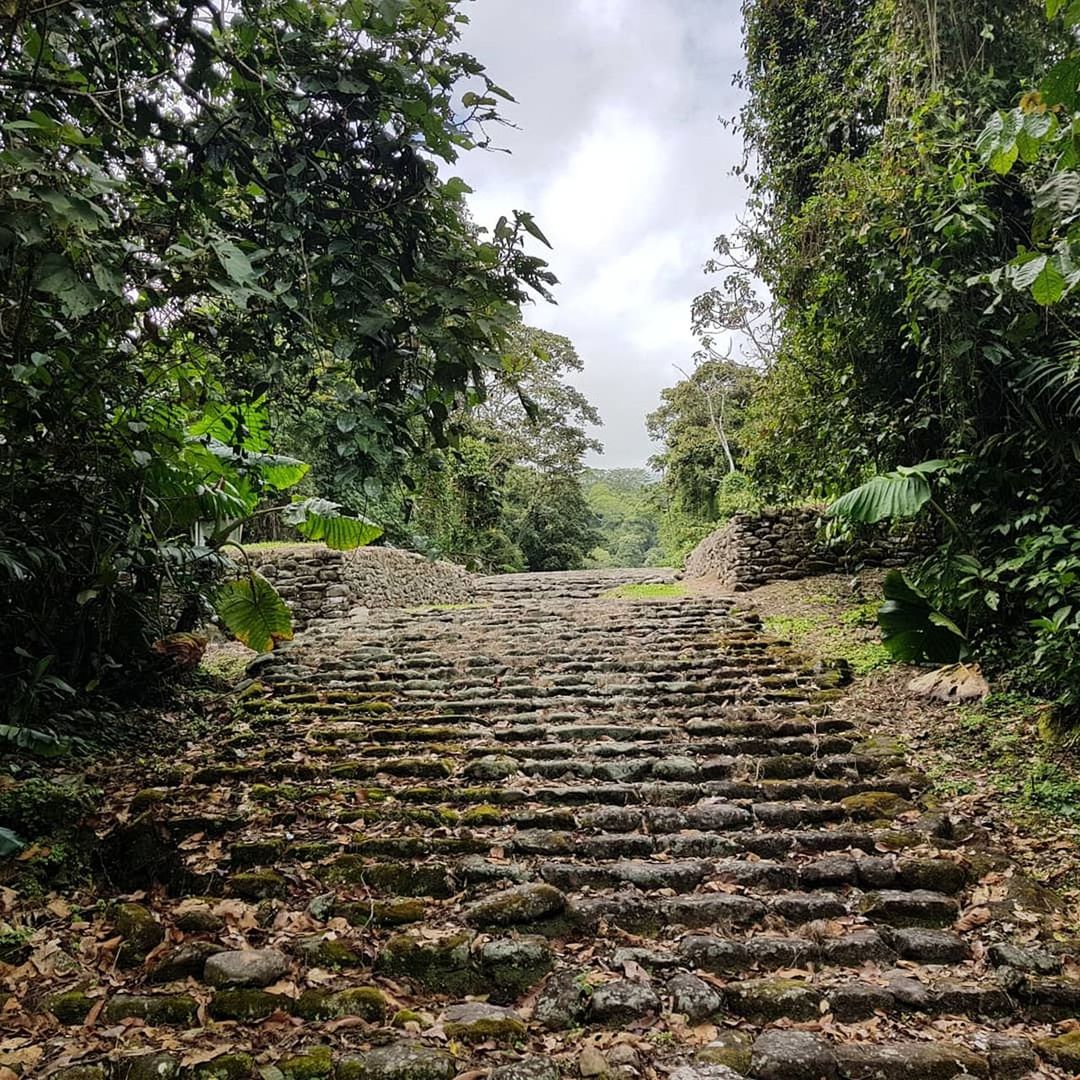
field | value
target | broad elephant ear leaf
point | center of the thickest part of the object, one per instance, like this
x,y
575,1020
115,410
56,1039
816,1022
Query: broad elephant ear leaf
x,y
912,630
254,612
321,519
42,743
891,496
10,843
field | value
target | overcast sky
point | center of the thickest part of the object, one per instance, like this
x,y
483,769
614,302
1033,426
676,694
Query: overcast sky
x,y
621,156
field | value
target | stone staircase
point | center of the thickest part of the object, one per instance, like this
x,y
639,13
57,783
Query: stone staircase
x,y
549,833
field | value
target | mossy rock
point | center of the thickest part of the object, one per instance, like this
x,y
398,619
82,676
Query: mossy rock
x,y
256,852
328,952
168,1010
765,1000
894,840
312,851
397,879
408,1016
398,1061
380,912
881,746
442,965
513,966
139,929
518,905
81,1072
1062,1051
70,1006
230,1066
876,805
315,1063
366,1002
731,1049
477,1022
147,799
246,1004
258,885
199,919
147,1067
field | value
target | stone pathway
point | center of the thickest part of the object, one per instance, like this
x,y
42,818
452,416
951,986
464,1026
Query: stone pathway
x,y
552,833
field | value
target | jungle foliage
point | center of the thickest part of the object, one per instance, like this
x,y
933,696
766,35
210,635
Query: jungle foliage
x,y
212,216
915,216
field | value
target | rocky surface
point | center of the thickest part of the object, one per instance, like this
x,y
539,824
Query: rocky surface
x,y
759,546
318,583
682,865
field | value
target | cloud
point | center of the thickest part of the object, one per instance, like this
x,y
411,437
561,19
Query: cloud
x,y
619,152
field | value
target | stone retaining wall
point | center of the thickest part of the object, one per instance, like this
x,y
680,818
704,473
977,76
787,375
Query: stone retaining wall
x,y
318,583
756,547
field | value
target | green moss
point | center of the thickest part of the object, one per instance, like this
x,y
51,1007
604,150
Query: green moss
x,y
147,799
398,912
315,1063
230,1066
406,1016
731,1049
36,807
245,1005
332,953
1063,1051
258,885
139,929
179,1010
442,965
257,852
482,815
70,1006
763,1000
501,1029
397,879
366,1002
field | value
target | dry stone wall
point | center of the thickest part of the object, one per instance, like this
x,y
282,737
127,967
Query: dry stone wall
x,y
756,547
318,583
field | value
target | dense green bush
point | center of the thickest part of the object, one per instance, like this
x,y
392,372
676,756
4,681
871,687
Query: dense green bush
x,y
205,207
919,248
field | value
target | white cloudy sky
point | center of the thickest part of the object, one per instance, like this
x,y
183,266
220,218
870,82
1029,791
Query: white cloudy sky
x,y
620,154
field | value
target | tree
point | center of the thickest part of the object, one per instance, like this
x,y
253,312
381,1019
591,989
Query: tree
x,y
880,217
699,424
205,206
628,520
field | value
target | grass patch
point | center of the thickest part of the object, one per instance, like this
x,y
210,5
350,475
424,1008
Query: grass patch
x,y
835,636
1005,738
654,591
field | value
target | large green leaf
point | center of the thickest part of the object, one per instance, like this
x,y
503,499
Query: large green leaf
x,y
321,519
10,843
895,495
42,743
912,630
254,612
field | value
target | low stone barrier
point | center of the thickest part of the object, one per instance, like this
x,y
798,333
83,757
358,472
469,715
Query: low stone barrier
x,y
318,583
759,546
